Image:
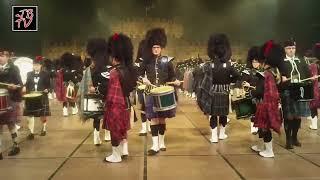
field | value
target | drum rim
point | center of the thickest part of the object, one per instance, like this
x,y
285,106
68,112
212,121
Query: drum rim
x,y
5,91
170,90
39,95
165,109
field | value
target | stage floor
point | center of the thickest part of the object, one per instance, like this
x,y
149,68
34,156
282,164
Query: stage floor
x,y
67,152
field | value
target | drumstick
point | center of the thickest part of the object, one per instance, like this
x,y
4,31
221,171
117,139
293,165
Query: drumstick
x,y
6,84
311,78
140,83
173,82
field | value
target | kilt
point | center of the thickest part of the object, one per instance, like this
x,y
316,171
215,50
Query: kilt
x,y
292,108
220,104
45,111
10,117
150,113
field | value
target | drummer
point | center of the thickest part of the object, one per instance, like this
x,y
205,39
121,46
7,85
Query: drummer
x,y
9,73
145,125
254,76
95,80
292,71
159,70
38,80
68,76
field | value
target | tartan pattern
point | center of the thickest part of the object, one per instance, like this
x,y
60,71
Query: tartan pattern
x,y
268,114
117,115
220,104
315,103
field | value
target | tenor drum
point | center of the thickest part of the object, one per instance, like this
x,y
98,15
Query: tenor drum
x,y
4,100
93,103
164,98
33,102
244,108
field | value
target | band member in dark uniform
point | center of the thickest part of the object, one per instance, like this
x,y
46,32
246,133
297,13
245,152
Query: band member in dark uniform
x,y
9,74
67,81
213,96
268,115
293,71
158,70
123,80
314,70
145,126
253,75
38,80
94,82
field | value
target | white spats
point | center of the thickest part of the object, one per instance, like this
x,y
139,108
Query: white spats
x,y
222,133
124,146
65,111
314,123
31,124
115,157
268,152
155,143
162,145
96,137
257,148
75,110
107,136
253,129
214,135
143,130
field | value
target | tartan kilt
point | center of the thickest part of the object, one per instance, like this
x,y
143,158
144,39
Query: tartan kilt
x,y
220,104
45,111
292,108
10,117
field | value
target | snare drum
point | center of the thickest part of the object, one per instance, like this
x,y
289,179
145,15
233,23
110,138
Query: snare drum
x,y
164,98
4,100
244,108
301,91
33,103
93,104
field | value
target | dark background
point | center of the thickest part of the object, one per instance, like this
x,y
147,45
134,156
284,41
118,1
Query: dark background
x,y
248,21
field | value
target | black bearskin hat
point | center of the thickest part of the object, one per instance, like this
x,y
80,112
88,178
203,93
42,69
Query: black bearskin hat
x,y
67,60
316,51
97,48
274,54
121,48
254,53
289,42
219,47
156,36
141,50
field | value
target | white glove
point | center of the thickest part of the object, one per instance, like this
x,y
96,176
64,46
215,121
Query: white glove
x,y
146,81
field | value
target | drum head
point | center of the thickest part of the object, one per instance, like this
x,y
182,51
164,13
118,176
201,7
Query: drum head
x,y
3,92
32,95
162,90
142,87
25,65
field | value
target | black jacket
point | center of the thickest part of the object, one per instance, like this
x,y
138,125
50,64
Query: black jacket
x,y
43,83
11,75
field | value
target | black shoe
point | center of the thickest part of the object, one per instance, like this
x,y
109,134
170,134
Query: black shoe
x,y
124,156
30,137
152,152
289,144
296,143
163,149
43,133
14,151
143,134
1,157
